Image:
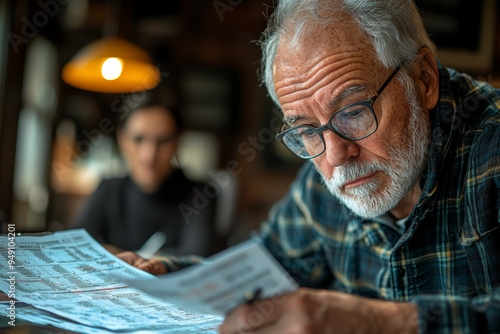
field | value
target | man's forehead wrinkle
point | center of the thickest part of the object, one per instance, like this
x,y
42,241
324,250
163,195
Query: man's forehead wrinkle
x,y
325,93
303,78
295,115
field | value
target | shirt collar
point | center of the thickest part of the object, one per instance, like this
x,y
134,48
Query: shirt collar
x,y
443,122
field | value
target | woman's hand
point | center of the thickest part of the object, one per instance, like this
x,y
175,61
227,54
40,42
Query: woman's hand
x,y
152,266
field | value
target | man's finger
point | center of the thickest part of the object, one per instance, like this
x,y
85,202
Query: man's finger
x,y
242,320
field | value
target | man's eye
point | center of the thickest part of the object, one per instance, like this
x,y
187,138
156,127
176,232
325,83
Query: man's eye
x,y
309,132
355,112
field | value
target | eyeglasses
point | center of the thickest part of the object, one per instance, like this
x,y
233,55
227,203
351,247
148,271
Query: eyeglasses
x,y
353,122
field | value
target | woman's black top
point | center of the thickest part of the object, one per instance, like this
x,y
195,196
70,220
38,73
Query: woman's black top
x,y
118,213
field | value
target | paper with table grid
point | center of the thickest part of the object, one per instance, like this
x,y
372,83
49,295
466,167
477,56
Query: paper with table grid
x,y
68,274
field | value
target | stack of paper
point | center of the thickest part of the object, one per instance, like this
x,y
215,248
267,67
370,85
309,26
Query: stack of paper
x,y
69,281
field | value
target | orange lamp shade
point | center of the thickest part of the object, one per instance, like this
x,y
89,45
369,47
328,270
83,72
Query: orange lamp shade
x,y
111,65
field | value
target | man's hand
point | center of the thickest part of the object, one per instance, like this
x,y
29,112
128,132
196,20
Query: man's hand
x,y
321,311
152,266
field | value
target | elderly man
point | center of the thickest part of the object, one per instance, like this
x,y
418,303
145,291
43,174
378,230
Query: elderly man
x,y
410,151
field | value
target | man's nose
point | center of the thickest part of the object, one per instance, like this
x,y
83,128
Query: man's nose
x,y
338,150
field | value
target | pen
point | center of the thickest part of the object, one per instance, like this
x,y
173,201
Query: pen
x,y
152,245
251,297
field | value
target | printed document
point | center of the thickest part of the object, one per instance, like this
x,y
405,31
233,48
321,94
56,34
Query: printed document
x,y
68,274
69,280
241,273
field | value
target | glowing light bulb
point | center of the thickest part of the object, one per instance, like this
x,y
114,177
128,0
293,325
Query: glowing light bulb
x,y
112,68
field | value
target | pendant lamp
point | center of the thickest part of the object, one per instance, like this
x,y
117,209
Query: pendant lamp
x,y
111,65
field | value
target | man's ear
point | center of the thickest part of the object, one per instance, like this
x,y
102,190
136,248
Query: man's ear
x,y
429,77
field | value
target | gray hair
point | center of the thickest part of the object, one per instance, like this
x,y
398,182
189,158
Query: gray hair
x,y
395,28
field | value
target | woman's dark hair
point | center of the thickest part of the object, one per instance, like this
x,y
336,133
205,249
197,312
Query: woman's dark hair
x,y
139,101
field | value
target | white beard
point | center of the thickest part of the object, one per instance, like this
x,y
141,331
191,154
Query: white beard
x,y
375,198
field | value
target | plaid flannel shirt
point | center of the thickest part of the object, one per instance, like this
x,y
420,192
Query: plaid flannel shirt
x,y
447,257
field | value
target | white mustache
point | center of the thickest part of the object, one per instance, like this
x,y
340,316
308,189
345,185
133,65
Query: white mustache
x,y
352,170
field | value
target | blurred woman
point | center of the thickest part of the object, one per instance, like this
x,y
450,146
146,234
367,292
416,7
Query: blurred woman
x,y
124,213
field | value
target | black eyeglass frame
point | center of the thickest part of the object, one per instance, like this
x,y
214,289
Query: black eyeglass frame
x,y
328,126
